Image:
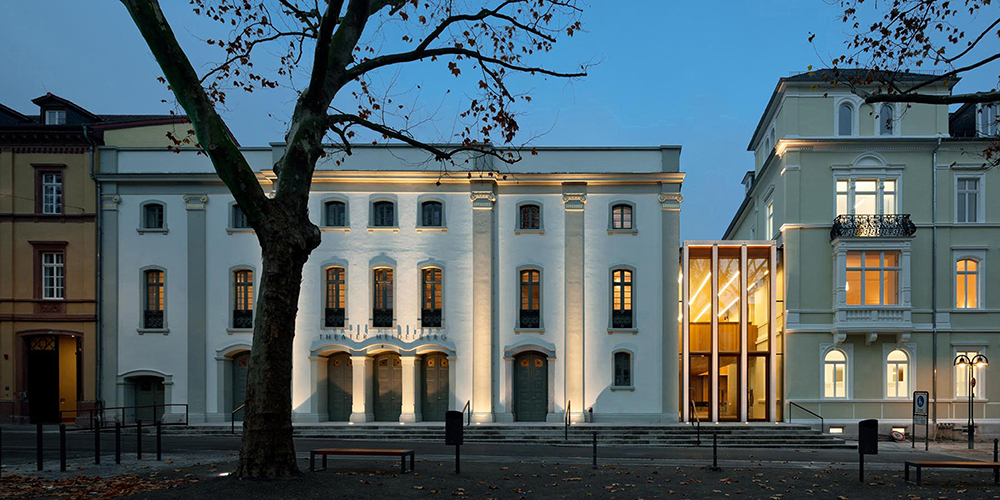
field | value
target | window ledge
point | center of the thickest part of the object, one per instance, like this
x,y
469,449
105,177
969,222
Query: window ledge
x,y
633,331
529,231
433,329
372,229
231,230
144,230
432,229
629,388
632,232
968,310
160,331
331,328
345,229
239,330
537,331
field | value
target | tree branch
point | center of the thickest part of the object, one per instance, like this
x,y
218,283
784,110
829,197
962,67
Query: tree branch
x,y
416,55
977,97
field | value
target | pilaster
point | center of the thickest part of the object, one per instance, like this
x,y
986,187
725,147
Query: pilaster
x,y
574,200
197,346
670,210
411,389
109,295
362,409
484,368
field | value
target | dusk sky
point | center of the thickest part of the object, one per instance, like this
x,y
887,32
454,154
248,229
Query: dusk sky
x,y
696,74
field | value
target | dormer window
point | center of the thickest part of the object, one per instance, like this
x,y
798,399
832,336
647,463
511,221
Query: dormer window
x,y
988,119
55,117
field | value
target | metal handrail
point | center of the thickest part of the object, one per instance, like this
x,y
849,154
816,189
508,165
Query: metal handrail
x,y
468,406
232,417
694,412
98,418
793,404
569,405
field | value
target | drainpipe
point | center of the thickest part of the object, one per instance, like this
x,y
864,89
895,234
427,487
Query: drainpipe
x,y
934,329
99,304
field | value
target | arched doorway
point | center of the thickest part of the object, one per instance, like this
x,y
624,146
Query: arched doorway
x,y
43,378
148,391
340,387
434,376
239,377
531,387
388,387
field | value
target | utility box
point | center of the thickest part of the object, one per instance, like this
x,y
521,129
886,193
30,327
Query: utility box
x,y
453,429
868,437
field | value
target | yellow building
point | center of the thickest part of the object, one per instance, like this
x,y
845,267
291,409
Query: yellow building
x,y
49,319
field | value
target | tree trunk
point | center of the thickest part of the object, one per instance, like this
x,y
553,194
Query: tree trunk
x,y
267,449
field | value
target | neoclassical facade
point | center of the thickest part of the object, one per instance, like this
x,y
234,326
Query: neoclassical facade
x,y
526,295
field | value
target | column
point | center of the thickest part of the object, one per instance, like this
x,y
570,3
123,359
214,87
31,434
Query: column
x,y
362,371
483,355
109,297
411,389
670,210
197,346
574,199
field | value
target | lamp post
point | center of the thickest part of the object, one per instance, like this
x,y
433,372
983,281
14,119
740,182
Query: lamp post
x,y
977,361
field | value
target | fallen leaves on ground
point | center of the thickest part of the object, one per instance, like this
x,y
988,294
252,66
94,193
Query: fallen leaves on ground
x,y
16,486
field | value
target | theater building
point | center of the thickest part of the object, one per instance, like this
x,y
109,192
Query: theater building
x,y
548,290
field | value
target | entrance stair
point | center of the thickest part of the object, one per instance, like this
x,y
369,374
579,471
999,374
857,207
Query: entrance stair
x,y
676,435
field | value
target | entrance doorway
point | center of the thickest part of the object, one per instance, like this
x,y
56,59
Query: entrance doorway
x,y
43,379
531,387
340,387
434,374
240,363
148,391
388,387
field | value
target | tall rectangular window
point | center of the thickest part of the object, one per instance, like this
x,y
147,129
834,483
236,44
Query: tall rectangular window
x,y
153,312
872,278
621,298
623,369
430,313
335,298
52,193
243,299
967,193
967,284
382,313
770,220
530,316
53,276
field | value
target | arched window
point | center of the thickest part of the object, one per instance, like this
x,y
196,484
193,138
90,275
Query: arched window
x,y
845,119
335,297
530,314
430,313
336,213
152,216
382,303
885,120
897,377
774,141
967,284
621,216
243,298
152,314
239,218
623,369
530,217
383,214
621,298
835,374
432,214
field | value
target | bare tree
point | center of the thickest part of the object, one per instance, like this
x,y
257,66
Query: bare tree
x,y
343,43
894,38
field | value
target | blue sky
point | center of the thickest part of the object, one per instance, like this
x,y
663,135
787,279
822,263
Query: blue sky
x,y
692,73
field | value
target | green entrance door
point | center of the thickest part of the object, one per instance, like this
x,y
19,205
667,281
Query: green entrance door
x,y
148,394
388,387
531,387
340,387
240,363
434,374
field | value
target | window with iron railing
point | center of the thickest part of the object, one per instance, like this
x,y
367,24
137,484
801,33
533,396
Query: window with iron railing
x,y
430,314
243,299
621,298
382,304
153,312
530,313
335,297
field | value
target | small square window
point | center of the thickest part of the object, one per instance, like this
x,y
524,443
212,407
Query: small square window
x,y
55,117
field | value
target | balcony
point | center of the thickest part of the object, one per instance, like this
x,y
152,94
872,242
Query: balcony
x,y
430,318
621,318
382,318
242,318
152,320
530,318
873,318
334,317
872,226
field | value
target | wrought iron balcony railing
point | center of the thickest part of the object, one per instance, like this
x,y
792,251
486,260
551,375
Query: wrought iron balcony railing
x,y
152,319
242,318
382,318
334,317
530,318
621,318
872,226
430,318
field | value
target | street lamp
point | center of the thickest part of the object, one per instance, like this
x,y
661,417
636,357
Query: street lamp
x,y
977,361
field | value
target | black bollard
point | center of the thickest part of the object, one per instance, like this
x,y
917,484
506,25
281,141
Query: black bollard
x,y
38,446
1,451
595,450
118,442
996,472
458,454
159,431
715,451
62,447
97,445
138,439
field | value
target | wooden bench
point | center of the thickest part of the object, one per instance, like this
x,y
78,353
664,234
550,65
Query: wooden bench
x,y
363,452
953,465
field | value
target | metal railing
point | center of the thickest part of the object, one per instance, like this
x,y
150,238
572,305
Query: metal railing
x,y
430,318
152,319
468,407
530,318
697,419
621,318
872,226
334,317
381,318
232,417
792,404
242,318
98,417
568,408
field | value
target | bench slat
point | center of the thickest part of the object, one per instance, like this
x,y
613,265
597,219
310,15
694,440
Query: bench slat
x,y
957,465
358,451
